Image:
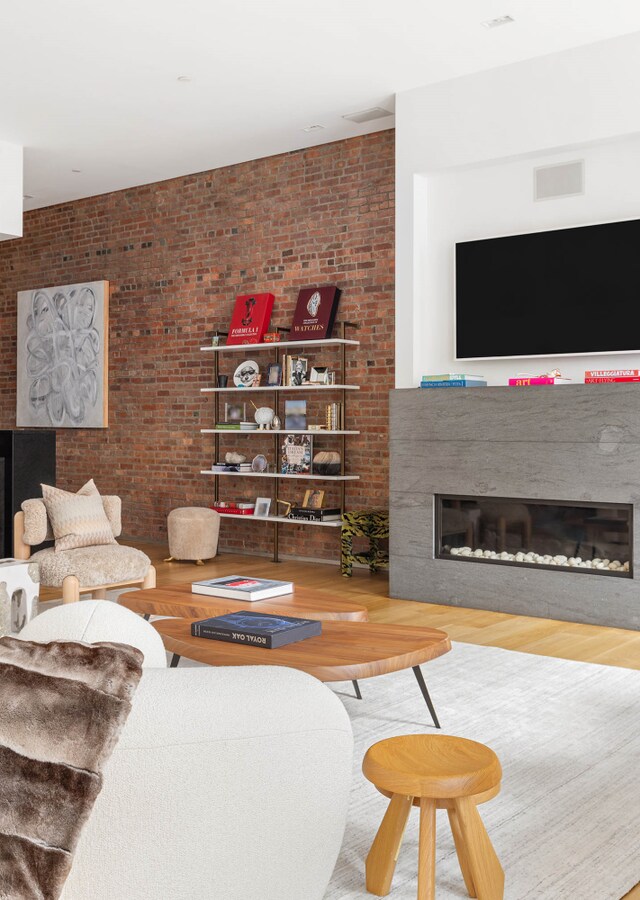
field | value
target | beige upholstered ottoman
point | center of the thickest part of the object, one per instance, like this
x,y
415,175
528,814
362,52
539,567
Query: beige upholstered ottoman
x,y
193,533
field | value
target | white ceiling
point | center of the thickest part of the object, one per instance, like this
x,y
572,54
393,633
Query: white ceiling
x,y
93,85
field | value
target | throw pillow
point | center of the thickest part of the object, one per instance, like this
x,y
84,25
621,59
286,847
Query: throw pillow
x,y
77,520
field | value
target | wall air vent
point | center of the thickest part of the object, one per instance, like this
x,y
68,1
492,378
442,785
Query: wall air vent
x,y
368,115
561,180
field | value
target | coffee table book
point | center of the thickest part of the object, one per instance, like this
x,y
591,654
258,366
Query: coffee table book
x,y
256,629
242,587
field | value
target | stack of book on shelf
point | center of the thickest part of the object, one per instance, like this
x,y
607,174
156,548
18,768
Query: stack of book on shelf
x,y
242,587
256,629
228,426
452,379
308,514
231,467
334,417
236,509
532,380
604,376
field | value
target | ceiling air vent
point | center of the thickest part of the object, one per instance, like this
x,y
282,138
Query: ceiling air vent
x,y
560,180
368,115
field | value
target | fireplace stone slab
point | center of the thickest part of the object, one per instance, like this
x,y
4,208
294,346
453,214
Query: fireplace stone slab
x,y
570,442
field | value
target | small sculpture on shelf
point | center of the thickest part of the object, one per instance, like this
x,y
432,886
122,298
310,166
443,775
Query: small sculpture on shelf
x,y
264,416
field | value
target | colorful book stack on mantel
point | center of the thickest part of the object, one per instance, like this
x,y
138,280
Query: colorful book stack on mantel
x,y
455,379
605,376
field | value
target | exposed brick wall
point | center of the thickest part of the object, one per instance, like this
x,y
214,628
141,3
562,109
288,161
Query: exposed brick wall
x,y
176,254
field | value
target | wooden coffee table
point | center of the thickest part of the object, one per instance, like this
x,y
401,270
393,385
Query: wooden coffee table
x,y
345,651
178,600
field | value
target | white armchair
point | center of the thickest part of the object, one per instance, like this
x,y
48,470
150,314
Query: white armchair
x,y
226,784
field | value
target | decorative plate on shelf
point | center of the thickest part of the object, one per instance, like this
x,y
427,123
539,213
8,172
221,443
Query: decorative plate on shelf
x,y
246,372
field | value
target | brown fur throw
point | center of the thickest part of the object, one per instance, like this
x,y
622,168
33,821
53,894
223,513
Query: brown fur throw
x,y
62,708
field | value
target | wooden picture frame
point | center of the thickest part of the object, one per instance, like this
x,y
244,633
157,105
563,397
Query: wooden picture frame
x,y
313,499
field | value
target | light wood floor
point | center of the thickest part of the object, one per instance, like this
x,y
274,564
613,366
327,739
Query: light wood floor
x,y
547,637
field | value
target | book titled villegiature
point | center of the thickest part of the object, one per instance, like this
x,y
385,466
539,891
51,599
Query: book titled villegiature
x,y
256,629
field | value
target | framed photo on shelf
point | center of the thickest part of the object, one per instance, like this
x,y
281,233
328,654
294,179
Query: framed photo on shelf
x,y
319,375
313,499
235,412
274,375
298,366
295,415
263,505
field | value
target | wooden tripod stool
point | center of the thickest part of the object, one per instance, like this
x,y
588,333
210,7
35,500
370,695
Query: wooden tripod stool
x,y
434,772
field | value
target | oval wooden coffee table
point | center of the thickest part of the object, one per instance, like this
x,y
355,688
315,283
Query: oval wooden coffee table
x,y
345,651
178,600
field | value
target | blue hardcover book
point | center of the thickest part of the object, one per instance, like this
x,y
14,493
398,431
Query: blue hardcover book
x,y
448,384
256,629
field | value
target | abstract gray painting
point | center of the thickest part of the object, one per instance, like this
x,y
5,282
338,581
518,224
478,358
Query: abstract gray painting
x,y
63,356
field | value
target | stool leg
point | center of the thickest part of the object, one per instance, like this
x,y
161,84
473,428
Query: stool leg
x,y
486,871
458,840
427,850
356,688
382,858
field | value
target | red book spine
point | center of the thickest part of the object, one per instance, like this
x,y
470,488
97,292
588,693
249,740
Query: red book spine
x,y
606,380
612,373
523,382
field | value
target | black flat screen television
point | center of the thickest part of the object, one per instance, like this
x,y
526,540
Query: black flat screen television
x,y
549,293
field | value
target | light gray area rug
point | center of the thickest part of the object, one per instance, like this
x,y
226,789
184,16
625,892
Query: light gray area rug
x,y
567,822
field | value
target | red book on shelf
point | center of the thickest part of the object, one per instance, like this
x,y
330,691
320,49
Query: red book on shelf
x,y
315,313
251,317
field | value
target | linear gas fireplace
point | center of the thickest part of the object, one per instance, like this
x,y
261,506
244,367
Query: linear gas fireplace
x,y
518,500
587,537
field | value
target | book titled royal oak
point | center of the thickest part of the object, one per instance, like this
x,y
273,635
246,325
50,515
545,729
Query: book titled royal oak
x,y
251,317
315,313
256,629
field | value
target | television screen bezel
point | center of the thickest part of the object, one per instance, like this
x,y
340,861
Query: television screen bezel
x,y
537,355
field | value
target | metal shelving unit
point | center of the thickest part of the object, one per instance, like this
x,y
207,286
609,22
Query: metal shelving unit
x,y
341,344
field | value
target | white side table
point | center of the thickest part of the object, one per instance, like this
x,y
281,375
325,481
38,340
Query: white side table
x,y
19,589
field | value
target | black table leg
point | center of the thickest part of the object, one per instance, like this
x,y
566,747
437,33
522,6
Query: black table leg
x,y
356,688
146,617
425,694
175,659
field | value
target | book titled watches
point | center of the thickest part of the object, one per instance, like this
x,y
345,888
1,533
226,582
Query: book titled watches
x,y
256,629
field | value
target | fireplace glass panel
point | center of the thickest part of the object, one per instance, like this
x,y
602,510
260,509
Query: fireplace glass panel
x,y
583,537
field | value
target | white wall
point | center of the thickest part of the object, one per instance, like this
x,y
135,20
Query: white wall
x,y
10,191
465,154
494,200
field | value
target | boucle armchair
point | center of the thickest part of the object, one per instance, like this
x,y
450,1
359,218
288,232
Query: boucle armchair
x,y
92,570
227,783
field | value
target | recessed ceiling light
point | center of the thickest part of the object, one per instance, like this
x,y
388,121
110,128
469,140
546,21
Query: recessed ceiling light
x,y
27,196
77,171
309,128
368,115
184,78
495,23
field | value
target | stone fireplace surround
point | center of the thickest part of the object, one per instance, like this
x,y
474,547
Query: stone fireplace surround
x,y
562,442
